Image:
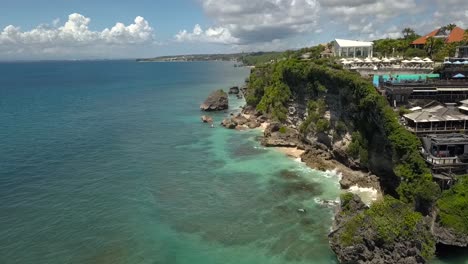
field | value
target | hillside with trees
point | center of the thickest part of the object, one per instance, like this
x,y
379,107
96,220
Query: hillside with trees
x,y
434,48
379,142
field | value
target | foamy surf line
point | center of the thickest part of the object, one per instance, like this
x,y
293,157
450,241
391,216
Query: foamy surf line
x,y
368,195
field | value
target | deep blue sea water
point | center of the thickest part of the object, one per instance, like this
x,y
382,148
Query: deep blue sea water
x,y
108,162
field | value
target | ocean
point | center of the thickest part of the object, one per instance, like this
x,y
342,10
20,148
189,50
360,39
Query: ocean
x,y
108,162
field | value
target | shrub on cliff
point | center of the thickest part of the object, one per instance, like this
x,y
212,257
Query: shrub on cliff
x,y
386,224
453,207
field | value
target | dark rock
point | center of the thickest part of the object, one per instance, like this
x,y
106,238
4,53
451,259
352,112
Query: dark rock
x,y
360,179
228,123
271,128
207,119
274,137
216,101
262,119
234,90
318,159
324,139
240,120
253,124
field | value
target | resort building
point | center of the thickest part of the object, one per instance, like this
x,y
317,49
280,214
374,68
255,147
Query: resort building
x,y
352,49
444,91
456,35
446,153
385,66
451,87
437,119
455,68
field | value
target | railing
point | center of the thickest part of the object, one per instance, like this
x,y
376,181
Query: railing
x,y
454,161
435,129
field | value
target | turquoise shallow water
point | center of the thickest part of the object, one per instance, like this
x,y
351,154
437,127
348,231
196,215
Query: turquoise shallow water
x,y
108,162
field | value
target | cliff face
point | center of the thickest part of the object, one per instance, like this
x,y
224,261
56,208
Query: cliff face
x,y
340,116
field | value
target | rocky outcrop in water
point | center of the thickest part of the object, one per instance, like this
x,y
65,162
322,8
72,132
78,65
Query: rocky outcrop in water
x,y
234,90
240,121
207,119
216,101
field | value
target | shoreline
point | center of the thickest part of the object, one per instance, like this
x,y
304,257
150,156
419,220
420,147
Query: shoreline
x,y
354,181
368,195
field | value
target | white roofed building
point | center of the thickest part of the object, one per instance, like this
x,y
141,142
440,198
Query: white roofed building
x,y
352,48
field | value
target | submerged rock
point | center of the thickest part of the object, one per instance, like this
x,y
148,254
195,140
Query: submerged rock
x,y
207,119
216,101
234,90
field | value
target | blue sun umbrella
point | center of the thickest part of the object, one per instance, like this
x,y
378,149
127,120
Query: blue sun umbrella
x,y
459,76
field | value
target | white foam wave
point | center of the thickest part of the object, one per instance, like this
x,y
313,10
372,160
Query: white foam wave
x,y
368,195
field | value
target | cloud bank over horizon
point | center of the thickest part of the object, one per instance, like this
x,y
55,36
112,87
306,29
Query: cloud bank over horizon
x,y
273,22
73,38
244,22
223,26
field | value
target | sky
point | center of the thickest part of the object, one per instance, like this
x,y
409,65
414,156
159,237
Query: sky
x,y
104,29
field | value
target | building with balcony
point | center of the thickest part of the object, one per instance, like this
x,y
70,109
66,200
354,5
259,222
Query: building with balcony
x,y
446,152
438,119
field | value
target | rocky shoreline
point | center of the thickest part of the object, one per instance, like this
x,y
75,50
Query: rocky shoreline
x,y
316,155
315,152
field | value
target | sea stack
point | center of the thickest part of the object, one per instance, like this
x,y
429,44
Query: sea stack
x,y
216,101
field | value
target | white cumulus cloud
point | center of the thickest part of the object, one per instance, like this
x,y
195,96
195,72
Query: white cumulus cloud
x,y
211,35
72,34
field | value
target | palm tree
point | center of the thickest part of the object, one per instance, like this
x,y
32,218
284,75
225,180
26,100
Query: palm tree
x,y
450,27
407,32
433,45
447,29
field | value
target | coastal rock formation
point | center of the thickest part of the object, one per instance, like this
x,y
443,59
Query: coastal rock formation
x,y
448,236
234,90
360,179
216,101
240,121
228,123
368,247
318,158
276,135
207,119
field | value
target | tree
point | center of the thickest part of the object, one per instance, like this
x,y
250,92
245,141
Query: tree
x,y
433,45
465,37
408,32
450,27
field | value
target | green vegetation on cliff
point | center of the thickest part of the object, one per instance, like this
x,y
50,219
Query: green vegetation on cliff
x,y
378,141
386,222
272,86
453,207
